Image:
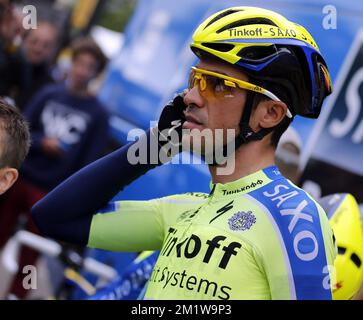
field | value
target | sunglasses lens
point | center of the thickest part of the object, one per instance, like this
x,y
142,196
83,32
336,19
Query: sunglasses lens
x,y
209,86
198,79
218,87
194,80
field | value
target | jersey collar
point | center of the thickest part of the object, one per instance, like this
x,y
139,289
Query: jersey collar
x,y
246,184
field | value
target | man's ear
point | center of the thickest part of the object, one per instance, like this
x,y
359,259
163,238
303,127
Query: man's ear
x,y
8,176
271,113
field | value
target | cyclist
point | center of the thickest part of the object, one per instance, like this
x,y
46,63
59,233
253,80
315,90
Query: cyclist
x,y
344,216
256,235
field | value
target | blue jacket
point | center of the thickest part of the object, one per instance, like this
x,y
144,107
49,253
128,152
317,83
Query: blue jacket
x,y
81,125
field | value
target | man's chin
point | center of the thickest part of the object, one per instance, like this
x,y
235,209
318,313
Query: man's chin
x,y
211,149
201,147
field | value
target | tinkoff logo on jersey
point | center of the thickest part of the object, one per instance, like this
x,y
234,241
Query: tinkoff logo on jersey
x,y
249,187
214,252
242,221
203,249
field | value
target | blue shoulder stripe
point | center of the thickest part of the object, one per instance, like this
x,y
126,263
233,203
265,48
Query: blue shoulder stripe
x,y
296,218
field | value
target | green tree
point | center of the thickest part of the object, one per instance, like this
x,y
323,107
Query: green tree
x,y
116,13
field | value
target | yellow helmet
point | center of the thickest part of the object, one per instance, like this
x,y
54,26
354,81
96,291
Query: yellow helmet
x,y
276,53
344,215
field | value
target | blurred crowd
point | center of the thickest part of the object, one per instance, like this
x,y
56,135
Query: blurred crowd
x,y
69,126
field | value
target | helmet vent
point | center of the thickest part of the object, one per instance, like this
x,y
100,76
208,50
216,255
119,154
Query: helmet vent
x,y
222,15
246,22
341,250
256,53
222,47
356,260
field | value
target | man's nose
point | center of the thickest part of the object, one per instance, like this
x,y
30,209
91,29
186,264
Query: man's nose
x,y
193,97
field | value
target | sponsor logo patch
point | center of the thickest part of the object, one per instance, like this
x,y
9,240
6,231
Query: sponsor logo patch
x,y
242,221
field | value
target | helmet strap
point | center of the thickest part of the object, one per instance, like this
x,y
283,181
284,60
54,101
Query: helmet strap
x,y
246,134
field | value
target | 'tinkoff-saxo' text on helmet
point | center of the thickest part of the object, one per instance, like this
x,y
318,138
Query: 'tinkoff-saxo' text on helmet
x,y
274,52
345,218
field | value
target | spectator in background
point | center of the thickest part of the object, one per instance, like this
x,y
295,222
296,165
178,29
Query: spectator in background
x,y
11,24
12,65
7,15
38,47
14,146
69,129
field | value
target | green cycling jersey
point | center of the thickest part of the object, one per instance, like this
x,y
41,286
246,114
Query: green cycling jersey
x,y
259,237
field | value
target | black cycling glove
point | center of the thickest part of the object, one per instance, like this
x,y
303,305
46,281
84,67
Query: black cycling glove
x,y
170,127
